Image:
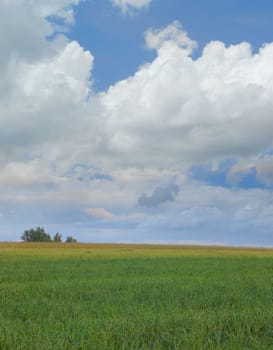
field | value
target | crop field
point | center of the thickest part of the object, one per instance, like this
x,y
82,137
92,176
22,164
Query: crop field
x,y
104,297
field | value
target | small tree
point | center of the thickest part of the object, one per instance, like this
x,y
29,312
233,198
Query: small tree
x,y
70,239
37,234
57,237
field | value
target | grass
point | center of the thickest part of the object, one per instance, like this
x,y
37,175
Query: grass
x,y
84,296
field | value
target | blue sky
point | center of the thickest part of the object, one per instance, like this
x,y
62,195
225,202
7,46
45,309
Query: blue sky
x,y
117,40
137,120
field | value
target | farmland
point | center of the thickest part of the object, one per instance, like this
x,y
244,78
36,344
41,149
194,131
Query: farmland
x,y
87,296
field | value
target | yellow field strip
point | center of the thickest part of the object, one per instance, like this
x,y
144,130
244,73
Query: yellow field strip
x,y
127,250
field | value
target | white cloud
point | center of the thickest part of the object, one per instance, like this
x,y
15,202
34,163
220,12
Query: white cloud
x,y
67,73
24,27
126,5
143,131
44,85
44,7
173,112
177,111
172,34
19,175
100,213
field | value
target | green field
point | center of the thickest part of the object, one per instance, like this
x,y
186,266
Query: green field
x,y
83,296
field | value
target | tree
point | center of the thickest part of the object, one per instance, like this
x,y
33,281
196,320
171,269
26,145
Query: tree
x,y
57,237
70,239
37,234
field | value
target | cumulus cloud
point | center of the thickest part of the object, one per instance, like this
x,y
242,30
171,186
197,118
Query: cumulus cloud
x,y
126,5
207,110
44,84
146,130
172,34
69,69
160,195
43,103
25,25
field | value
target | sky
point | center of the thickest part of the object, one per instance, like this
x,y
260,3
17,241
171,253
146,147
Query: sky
x,y
137,120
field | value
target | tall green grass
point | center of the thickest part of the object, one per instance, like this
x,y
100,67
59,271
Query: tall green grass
x,y
134,297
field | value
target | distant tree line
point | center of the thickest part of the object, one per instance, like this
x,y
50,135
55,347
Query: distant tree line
x,y
38,234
